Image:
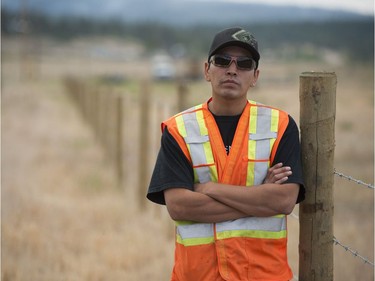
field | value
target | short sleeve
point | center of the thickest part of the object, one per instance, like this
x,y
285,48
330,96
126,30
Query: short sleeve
x,y
172,169
289,153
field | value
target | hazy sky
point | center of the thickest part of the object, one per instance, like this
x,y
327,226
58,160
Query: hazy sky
x,y
362,6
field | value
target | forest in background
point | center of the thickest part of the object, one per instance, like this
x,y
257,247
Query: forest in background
x,y
354,39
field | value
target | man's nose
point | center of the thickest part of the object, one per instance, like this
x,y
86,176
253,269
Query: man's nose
x,y
232,68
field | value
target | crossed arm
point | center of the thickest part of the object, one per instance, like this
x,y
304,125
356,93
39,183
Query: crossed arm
x,y
216,202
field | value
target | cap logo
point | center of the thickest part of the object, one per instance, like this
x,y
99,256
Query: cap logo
x,y
244,36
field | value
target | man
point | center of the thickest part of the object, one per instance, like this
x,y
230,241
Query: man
x,y
229,172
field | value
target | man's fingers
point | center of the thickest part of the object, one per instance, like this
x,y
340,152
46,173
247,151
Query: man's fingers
x,y
279,171
280,181
278,174
276,166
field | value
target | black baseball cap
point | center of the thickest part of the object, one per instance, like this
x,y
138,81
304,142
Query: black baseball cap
x,y
235,36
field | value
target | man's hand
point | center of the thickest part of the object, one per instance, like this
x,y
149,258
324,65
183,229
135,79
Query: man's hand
x,y
278,174
267,199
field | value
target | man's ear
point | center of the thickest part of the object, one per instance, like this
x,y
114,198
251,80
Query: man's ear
x,y
207,71
256,75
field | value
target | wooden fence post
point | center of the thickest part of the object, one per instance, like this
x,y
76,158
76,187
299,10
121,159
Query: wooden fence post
x,y
182,93
119,157
144,149
317,123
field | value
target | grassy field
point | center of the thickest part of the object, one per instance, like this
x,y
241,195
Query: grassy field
x,y
64,217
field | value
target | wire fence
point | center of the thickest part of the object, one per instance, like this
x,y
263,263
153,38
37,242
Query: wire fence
x,y
336,242
350,178
353,252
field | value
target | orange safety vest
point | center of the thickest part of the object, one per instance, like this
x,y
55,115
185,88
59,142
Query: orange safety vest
x,y
252,248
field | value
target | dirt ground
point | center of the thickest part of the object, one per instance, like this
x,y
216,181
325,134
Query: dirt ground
x,y
64,216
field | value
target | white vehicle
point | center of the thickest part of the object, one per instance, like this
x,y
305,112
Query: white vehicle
x,y
163,67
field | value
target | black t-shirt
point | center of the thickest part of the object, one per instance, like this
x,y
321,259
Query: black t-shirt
x,y
227,127
173,169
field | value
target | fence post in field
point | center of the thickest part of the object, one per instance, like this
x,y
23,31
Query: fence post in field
x,y
102,115
96,105
119,138
317,122
108,103
144,148
182,96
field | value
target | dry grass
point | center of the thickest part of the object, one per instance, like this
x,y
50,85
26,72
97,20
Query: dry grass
x,y
64,216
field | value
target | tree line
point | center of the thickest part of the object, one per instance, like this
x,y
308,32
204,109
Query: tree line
x,y
355,39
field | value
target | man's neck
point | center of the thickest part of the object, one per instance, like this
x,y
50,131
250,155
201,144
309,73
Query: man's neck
x,y
226,107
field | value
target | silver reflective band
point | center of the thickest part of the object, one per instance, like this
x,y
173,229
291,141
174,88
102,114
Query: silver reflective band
x,y
203,174
260,172
274,224
262,136
194,139
261,140
195,142
264,120
196,230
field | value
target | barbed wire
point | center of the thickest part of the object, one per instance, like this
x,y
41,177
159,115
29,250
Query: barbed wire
x,y
350,178
335,241
353,252
347,248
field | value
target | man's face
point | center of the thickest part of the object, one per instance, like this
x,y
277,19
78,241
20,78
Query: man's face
x,y
230,83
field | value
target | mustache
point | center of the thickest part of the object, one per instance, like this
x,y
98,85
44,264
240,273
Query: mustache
x,y
229,80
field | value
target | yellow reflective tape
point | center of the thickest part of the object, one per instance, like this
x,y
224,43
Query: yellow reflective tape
x,y
274,120
250,173
252,234
202,126
181,126
196,178
279,216
213,173
208,152
253,120
177,223
195,241
272,142
251,149
188,147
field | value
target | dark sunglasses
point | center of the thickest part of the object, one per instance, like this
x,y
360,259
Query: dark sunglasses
x,y
243,63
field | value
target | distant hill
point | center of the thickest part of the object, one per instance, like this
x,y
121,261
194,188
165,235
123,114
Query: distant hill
x,y
181,13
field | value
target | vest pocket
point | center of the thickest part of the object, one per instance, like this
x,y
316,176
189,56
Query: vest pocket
x,y
260,145
262,136
202,158
259,151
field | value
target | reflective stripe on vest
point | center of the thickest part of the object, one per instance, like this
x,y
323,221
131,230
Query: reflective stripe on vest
x,y
253,227
190,233
263,127
192,127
